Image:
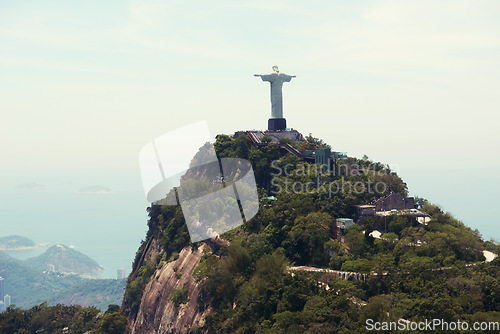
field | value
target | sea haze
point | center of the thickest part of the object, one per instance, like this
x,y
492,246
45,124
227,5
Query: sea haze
x,y
26,253
108,227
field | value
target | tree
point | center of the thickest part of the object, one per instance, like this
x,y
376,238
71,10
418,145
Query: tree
x,y
359,265
355,239
270,269
179,296
431,209
266,139
113,323
397,224
307,238
380,308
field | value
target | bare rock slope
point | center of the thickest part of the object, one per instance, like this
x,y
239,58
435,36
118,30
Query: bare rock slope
x,y
157,312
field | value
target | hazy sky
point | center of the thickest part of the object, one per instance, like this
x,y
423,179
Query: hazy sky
x,y
84,85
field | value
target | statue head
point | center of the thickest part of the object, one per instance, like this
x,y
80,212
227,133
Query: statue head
x,y
275,68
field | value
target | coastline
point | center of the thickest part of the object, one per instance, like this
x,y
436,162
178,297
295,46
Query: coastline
x,y
20,248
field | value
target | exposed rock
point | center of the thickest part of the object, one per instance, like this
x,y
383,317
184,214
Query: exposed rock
x,y
157,313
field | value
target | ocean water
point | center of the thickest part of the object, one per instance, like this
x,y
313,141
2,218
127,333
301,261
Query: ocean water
x,y
26,253
106,227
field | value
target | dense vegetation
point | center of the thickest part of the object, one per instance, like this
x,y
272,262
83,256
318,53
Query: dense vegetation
x,y
53,319
99,293
415,271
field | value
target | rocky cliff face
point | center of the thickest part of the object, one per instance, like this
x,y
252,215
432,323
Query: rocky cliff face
x,y
162,296
157,311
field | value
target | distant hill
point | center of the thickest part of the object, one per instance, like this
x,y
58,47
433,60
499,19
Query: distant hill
x,y
12,242
65,260
91,292
29,286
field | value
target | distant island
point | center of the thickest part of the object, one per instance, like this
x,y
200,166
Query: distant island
x,y
16,242
30,186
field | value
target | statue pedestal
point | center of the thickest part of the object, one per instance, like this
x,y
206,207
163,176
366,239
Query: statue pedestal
x,y
275,124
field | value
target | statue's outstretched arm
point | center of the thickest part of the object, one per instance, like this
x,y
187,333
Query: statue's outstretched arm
x,y
257,75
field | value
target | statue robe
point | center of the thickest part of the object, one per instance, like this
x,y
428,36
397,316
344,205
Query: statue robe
x,y
276,80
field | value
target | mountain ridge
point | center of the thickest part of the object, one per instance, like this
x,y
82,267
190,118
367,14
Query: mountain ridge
x,y
246,283
65,260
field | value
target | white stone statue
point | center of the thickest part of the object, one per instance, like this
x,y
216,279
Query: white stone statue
x,y
276,79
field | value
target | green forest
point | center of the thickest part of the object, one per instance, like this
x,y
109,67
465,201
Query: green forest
x,y
413,272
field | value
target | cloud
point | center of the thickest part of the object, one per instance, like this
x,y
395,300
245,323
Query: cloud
x,y
94,190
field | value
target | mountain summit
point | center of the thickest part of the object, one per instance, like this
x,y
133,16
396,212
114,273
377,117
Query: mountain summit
x,y
64,259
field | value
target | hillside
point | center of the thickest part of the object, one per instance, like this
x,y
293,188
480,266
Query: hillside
x,y
291,268
28,287
99,293
414,271
64,260
13,242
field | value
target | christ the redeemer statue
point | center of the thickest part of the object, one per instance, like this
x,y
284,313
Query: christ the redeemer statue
x,y
276,79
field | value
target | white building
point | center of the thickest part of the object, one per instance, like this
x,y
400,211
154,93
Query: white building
x,y
7,301
344,223
121,273
2,288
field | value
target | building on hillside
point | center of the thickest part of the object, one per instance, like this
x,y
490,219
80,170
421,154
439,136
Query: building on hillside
x,y
339,155
344,223
383,205
394,201
415,216
375,234
2,288
341,224
323,156
272,136
121,273
7,301
364,211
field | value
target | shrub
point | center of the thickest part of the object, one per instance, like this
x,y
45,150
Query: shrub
x,y
179,296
